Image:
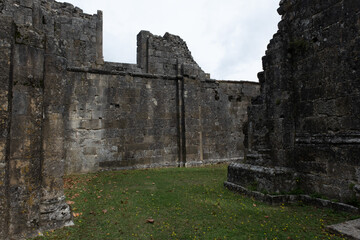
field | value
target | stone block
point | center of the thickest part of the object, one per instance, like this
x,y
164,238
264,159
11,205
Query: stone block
x,y
93,124
90,151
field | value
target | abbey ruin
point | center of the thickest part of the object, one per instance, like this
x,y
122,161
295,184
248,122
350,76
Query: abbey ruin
x,y
65,110
303,133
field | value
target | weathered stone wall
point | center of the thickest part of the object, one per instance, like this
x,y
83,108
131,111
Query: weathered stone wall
x,y
164,111
167,55
215,112
78,35
122,120
63,109
35,53
6,43
306,119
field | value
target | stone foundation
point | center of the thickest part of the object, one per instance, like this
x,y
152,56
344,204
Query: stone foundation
x,y
273,180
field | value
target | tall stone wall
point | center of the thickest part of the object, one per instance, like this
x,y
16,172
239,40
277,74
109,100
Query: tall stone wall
x,y
64,110
37,42
123,120
215,112
6,43
303,131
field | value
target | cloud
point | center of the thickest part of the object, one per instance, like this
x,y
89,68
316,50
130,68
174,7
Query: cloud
x,y
227,38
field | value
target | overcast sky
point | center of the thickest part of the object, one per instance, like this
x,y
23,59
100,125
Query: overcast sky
x,y
227,38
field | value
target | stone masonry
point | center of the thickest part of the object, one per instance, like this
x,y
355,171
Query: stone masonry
x,y
64,110
162,112
303,133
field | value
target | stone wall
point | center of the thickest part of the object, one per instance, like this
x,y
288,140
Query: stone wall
x,y
304,128
6,43
122,120
167,55
215,112
64,110
37,42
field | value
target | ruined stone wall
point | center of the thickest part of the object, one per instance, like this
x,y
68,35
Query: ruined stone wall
x,y
121,121
78,35
63,109
35,79
167,55
124,116
306,122
6,43
215,112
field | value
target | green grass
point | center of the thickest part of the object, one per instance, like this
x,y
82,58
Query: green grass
x,y
185,203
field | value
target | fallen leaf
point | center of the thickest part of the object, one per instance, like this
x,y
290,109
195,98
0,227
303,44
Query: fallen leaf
x,y
77,214
70,202
75,196
150,220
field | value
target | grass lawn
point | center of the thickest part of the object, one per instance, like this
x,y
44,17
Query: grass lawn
x,y
181,203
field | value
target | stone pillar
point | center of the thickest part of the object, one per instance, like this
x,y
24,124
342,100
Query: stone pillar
x,y
142,50
99,39
181,121
26,134
54,211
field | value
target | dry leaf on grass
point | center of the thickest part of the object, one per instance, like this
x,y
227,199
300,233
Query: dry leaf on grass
x,y
150,220
77,214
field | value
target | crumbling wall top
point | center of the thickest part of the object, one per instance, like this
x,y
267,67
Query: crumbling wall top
x,y
167,55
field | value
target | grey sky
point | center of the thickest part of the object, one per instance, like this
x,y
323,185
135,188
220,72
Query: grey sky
x,y
227,38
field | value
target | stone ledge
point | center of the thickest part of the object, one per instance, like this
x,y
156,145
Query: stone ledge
x,y
278,199
262,169
111,166
211,161
336,139
269,179
350,229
